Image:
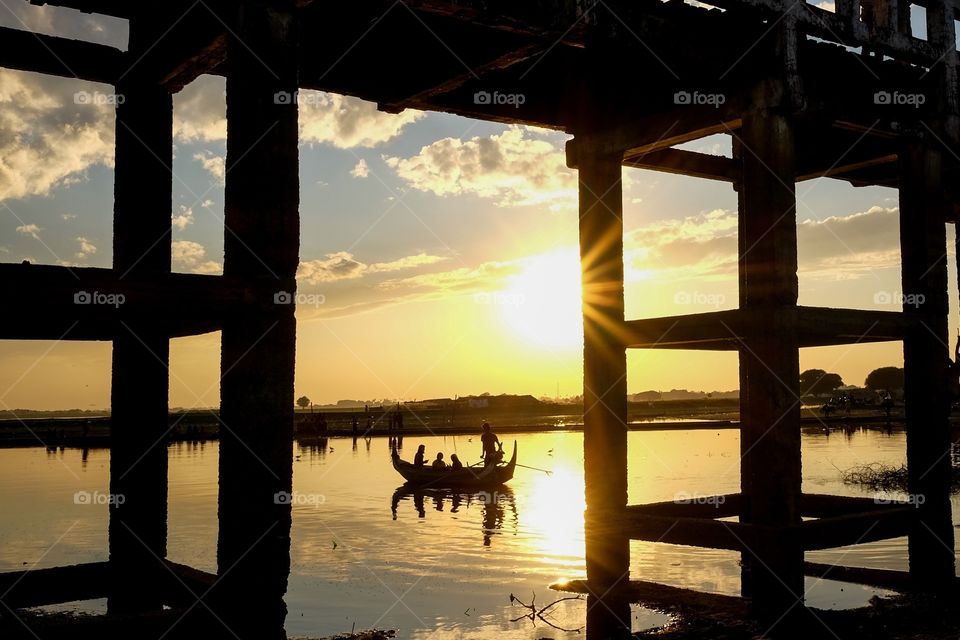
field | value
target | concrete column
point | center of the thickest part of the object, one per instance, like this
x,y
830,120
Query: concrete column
x,y
769,363
926,361
604,394
141,246
261,246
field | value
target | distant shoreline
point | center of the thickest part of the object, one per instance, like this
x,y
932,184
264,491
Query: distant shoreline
x,y
69,432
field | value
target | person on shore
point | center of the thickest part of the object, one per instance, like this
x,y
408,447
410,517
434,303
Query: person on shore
x,y
353,425
455,463
419,459
490,443
439,463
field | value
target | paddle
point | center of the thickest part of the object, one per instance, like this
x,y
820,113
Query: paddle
x,y
549,473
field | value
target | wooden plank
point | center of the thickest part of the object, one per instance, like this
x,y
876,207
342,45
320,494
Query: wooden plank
x,y
694,532
813,505
667,598
718,506
859,528
38,587
824,326
716,330
57,56
686,163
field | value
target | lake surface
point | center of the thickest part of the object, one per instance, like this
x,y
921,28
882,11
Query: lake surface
x,y
437,565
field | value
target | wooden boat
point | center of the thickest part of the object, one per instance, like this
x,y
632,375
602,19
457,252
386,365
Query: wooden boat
x,y
427,476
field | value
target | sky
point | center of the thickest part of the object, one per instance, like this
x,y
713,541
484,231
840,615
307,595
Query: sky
x,y
438,254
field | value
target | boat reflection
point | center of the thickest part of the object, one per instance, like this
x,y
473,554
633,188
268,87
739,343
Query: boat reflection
x,y
497,506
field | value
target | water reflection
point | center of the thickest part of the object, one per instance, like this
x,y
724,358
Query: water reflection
x,y
494,506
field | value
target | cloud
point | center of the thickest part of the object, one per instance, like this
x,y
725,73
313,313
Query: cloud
x,y
87,248
31,230
343,266
47,139
361,170
345,122
512,168
325,118
487,276
182,219
68,216
189,256
214,164
833,248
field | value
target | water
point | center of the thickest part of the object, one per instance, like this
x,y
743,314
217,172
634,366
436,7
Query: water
x,y
438,567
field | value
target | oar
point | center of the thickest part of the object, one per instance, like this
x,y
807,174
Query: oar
x,y
549,473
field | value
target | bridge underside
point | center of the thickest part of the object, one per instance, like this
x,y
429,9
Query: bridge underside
x,y
801,92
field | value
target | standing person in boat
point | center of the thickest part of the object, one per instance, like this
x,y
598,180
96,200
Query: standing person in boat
x,y
455,463
418,460
490,442
439,463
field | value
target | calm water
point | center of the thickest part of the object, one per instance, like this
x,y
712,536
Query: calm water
x,y
435,566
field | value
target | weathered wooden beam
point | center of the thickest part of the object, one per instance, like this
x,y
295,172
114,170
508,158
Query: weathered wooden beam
x,y
823,326
926,360
686,163
845,167
38,587
57,56
666,598
857,528
713,331
686,506
690,531
814,505
86,303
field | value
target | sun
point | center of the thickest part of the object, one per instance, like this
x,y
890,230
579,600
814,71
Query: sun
x,y
542,303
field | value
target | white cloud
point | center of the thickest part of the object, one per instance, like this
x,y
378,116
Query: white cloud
x,y
87,248
345,122
46,138
200,111
214,164
511,168
183,218
68,216
343,266
361,170
31,230
189,256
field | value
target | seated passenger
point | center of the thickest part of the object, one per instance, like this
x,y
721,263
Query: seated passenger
x,y
439,463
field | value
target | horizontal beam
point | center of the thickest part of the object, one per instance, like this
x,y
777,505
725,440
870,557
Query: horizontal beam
x,y
726,330
695,532
67,303
686,163
666,598
860,528
719,506
38,587
57,56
